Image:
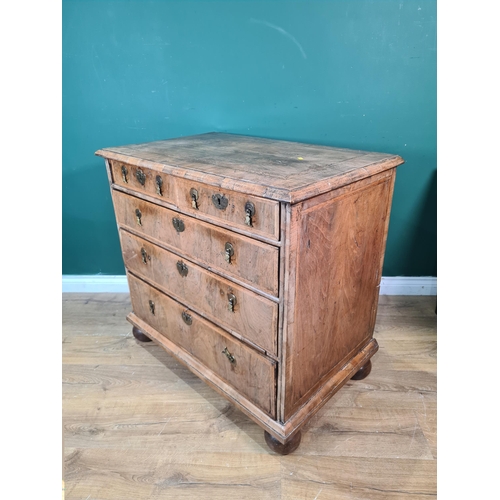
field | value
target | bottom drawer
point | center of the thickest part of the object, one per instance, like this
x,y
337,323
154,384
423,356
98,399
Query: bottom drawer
x,y
250,373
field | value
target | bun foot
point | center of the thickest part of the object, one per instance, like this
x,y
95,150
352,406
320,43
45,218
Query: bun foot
x,y
283,449
363,372
139,335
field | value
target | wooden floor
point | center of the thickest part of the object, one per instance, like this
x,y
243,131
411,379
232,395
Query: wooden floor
x,y
138,425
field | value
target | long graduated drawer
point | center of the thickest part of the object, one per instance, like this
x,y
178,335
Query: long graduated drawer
x,y
249,261
251,373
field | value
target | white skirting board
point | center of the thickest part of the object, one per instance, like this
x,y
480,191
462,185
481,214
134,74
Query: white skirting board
x,y
399,285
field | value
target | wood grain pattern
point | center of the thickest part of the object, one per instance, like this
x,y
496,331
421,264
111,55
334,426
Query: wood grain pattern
x,y
177,191
251,374
313,246
279,170
253,262
358,478
254,318
244,230
338,271
138,424
212,380
176,475
264,221
291,245
283,284
332,384
126,175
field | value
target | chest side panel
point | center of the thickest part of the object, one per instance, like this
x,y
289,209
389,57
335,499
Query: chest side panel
x,y
340,246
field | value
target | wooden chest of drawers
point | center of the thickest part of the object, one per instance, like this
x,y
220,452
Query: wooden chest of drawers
x,y
257,264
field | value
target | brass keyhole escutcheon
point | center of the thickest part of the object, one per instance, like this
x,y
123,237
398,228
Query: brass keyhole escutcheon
x,y
178,224
124,174
187,318
159,184
152,307
138,217
194,198
231,302
140,176
145,256
220,201
229,252
182,268
249,213
229,356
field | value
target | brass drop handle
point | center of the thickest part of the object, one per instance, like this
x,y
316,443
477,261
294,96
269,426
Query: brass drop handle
x,y
159,184
249,213
145,256
187,318
194,198
229,252
124,174
231,302
140,176
152,307
229,356
138,217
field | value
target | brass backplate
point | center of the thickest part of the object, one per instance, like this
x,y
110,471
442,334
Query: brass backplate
x,y
124,174
159,184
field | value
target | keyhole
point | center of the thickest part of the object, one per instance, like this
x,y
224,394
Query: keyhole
x,y
220,201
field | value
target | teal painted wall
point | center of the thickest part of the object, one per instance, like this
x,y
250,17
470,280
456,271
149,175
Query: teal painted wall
x,y
358,74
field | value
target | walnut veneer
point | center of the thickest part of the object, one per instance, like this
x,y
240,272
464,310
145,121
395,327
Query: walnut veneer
x,y
257,264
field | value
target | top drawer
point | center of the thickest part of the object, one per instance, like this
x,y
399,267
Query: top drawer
x,y
250,213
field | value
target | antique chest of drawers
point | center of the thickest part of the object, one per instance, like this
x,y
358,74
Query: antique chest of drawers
x,y
257,264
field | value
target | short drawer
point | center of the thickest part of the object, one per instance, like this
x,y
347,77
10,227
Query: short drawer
x,y
250,213
241,311
250,373
232,254
143,180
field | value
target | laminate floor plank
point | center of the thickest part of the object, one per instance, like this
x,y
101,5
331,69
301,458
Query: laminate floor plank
x,y
346,478
139,425
158,472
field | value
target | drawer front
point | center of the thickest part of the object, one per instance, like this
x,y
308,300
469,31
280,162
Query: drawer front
x,y
143,180
250,373
228,206
249,260
246,313
201,199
